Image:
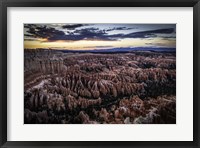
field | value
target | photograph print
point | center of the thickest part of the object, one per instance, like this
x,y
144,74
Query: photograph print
x,y
99,73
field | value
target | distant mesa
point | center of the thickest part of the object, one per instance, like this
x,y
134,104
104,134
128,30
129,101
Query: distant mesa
x,y
121,50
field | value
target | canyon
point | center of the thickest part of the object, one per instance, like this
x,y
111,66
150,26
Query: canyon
x,y
137,87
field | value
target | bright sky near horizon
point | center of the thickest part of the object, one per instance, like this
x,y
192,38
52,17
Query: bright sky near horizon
x,y
98,36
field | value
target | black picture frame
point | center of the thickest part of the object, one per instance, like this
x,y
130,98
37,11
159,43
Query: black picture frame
x,y
99,3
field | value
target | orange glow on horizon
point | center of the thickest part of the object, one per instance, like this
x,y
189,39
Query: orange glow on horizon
x,y
96,44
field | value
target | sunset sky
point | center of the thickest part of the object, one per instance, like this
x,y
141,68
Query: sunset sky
x,y
99,36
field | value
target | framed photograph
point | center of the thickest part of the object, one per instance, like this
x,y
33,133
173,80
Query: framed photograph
x,y
99,74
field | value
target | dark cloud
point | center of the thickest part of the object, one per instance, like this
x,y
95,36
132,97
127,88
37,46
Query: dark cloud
x,y
149,34
73,26
45,32
34,39
52,34
169,37
91,33
28,35
30,26
119,28
142,34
